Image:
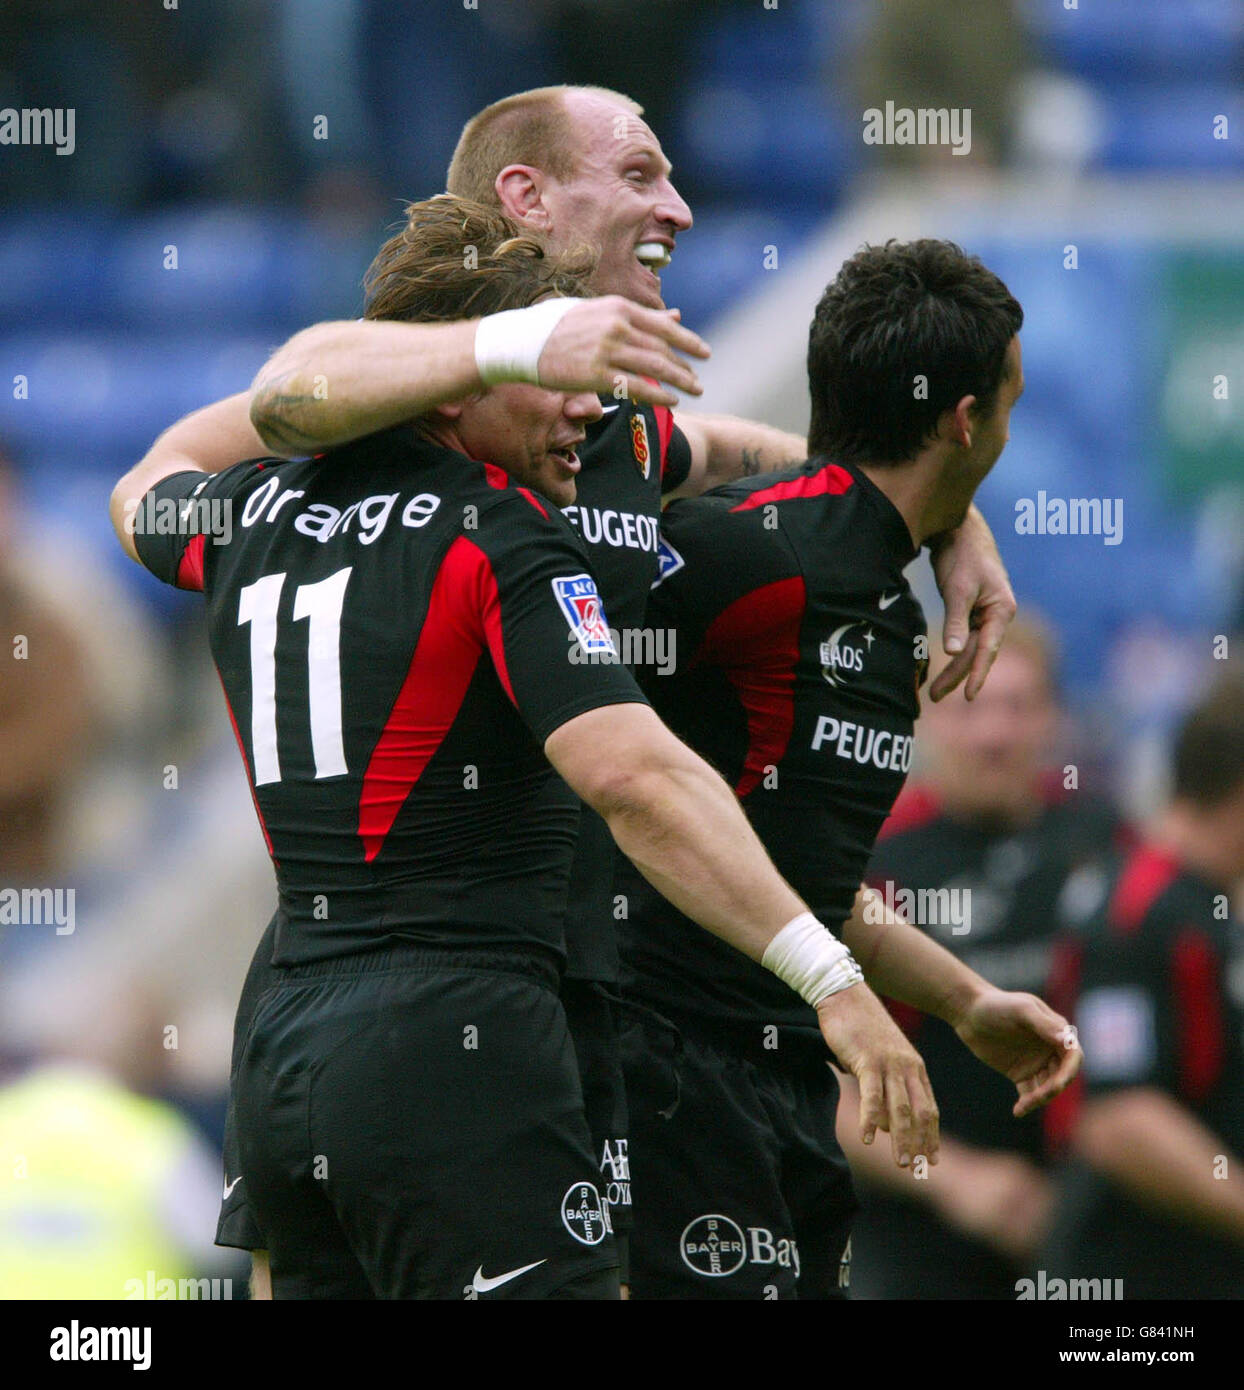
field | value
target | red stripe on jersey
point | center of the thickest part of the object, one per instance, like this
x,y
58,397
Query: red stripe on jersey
x,y
1198,1011
665,431
267,839
497,477
463,613
830,479
756,642
190,567
535,501
1143,880
1059,1118
915,806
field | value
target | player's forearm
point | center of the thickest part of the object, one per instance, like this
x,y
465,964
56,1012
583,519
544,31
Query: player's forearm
x,y
1165,1158
335,382
733,448
902,962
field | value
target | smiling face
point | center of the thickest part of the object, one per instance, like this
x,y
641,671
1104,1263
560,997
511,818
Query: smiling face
x,y
531,433
619,198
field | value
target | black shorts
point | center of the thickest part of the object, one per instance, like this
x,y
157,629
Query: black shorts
x,y
592,1015
236,1225
592,1012
410,1125
741,1188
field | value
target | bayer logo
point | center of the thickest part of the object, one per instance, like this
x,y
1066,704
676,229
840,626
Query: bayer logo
x,y
713,1246
583,1214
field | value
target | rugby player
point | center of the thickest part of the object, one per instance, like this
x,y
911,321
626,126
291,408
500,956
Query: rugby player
x,y
995,847
569,165
802,654
409,1113
1155,1198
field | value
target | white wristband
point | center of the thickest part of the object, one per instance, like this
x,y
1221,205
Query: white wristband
x,y
508,345
811,960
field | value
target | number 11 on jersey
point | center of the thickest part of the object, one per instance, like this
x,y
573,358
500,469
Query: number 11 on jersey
x,y
321,604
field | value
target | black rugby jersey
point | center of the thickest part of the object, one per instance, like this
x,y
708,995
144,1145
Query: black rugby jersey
x,y
392,624
631,456
994,898
797,676
1160,1003
1160,995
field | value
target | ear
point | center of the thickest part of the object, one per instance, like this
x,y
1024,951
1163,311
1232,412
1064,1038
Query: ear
x,y
961,423
520,190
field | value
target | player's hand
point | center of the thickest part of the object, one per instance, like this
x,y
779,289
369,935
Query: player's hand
x,y
895,1094
979,604
1020,1036
602,343
998,1198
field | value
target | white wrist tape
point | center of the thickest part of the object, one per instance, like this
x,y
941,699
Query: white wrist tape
x,y
811,960
508,345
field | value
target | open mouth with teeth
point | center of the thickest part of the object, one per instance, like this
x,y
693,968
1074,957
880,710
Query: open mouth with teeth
x,y
566,454
652,255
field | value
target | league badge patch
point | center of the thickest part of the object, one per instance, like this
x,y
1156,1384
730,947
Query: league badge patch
x,y
584,612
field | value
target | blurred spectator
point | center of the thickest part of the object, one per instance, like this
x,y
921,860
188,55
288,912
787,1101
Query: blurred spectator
x,y
994,825
46,716
1155,1196
103,1192
965,55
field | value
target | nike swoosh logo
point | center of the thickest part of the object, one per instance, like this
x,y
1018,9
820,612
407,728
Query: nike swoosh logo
x,y
482,1285
605,409
887,599
229,1186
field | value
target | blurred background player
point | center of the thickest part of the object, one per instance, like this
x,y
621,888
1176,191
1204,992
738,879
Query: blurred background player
x,y
1155,1194
996,837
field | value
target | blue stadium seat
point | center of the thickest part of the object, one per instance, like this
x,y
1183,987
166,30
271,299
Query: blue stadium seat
x,y
1108,40
1172,127
103,393
794,142
228,264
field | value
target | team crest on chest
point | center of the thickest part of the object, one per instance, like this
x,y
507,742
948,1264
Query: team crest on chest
x,y
639,441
